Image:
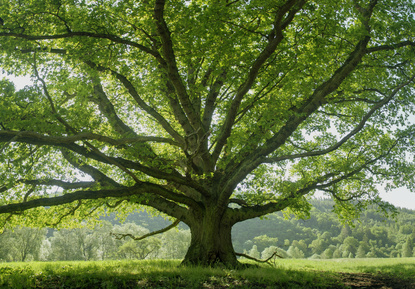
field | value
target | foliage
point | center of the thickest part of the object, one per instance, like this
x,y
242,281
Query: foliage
x,y
372,237
322,234
21,244
211,113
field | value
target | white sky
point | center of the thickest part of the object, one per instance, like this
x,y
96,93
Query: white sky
x,y
401,197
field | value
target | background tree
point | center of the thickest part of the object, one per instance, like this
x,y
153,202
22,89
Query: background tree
x,y
362,249
263,241
129,248
209,112
407,248
21,244
174,244
67,245
106,244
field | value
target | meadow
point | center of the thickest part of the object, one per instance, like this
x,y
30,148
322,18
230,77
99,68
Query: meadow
x,y
287,273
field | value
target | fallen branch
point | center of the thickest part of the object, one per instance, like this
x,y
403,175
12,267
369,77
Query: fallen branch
x,y
258,260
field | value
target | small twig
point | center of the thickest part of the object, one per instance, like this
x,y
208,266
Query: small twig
x,y
71,212
31,190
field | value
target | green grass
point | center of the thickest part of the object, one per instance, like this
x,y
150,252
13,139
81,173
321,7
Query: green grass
x,y
401,267
168,274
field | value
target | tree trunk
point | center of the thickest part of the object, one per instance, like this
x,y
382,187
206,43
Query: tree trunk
x,y
211,242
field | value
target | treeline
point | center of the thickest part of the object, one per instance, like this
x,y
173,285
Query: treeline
x,y
100,243
320,236
323,236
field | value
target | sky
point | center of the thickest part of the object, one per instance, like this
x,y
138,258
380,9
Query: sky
x,y
400,197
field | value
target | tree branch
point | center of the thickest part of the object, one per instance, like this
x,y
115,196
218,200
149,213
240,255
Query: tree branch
x,y
141,103
107,109
86,136
32,138
172,70
113,38
67,198
123,236
52,182
96,174
258,260
251,160
355,131
391,46
160,197
320,183
70,212
291,7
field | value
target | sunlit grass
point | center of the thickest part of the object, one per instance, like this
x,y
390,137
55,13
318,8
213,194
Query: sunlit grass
x,y
286,273
404,267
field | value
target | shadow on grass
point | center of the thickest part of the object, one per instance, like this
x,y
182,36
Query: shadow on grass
x,y
155,274
168,274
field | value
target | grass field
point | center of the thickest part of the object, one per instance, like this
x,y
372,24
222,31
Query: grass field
x,y
339,273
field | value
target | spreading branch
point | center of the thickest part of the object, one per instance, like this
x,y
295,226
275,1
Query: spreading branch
x,y
316,100
288,10
359,127
172,69
37,139
111,37
120,236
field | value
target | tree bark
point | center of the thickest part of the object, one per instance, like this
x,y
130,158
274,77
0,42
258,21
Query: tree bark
x,y
211,242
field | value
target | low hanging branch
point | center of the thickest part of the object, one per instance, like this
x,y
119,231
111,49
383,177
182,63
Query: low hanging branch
x,y
259,260
123,236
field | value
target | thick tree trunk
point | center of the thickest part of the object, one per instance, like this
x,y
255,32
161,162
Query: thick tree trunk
x,y
211,243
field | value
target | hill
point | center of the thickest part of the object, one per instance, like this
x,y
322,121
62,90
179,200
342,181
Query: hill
x,y
322,235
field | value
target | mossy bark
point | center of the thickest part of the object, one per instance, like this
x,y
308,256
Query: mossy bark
x,y
211,242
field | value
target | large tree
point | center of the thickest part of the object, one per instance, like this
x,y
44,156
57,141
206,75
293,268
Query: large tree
x,y
211,112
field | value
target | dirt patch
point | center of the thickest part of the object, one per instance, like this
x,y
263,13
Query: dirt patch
x,y
382,281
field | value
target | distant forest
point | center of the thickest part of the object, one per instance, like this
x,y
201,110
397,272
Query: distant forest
x,y
322,236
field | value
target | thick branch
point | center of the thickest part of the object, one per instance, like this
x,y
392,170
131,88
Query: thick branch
x,y
111,37
356,130
391,46
87,136
141,103
169,208
151,111
155,196
321,183
291,7
251,161
172,69
107,109
211,99
67,198
52,182
96,174
30,138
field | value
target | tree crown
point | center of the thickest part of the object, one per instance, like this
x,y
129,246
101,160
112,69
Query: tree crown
x,y
179,105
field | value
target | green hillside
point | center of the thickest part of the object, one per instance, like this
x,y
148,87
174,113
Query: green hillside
x,y
323,236
320,236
